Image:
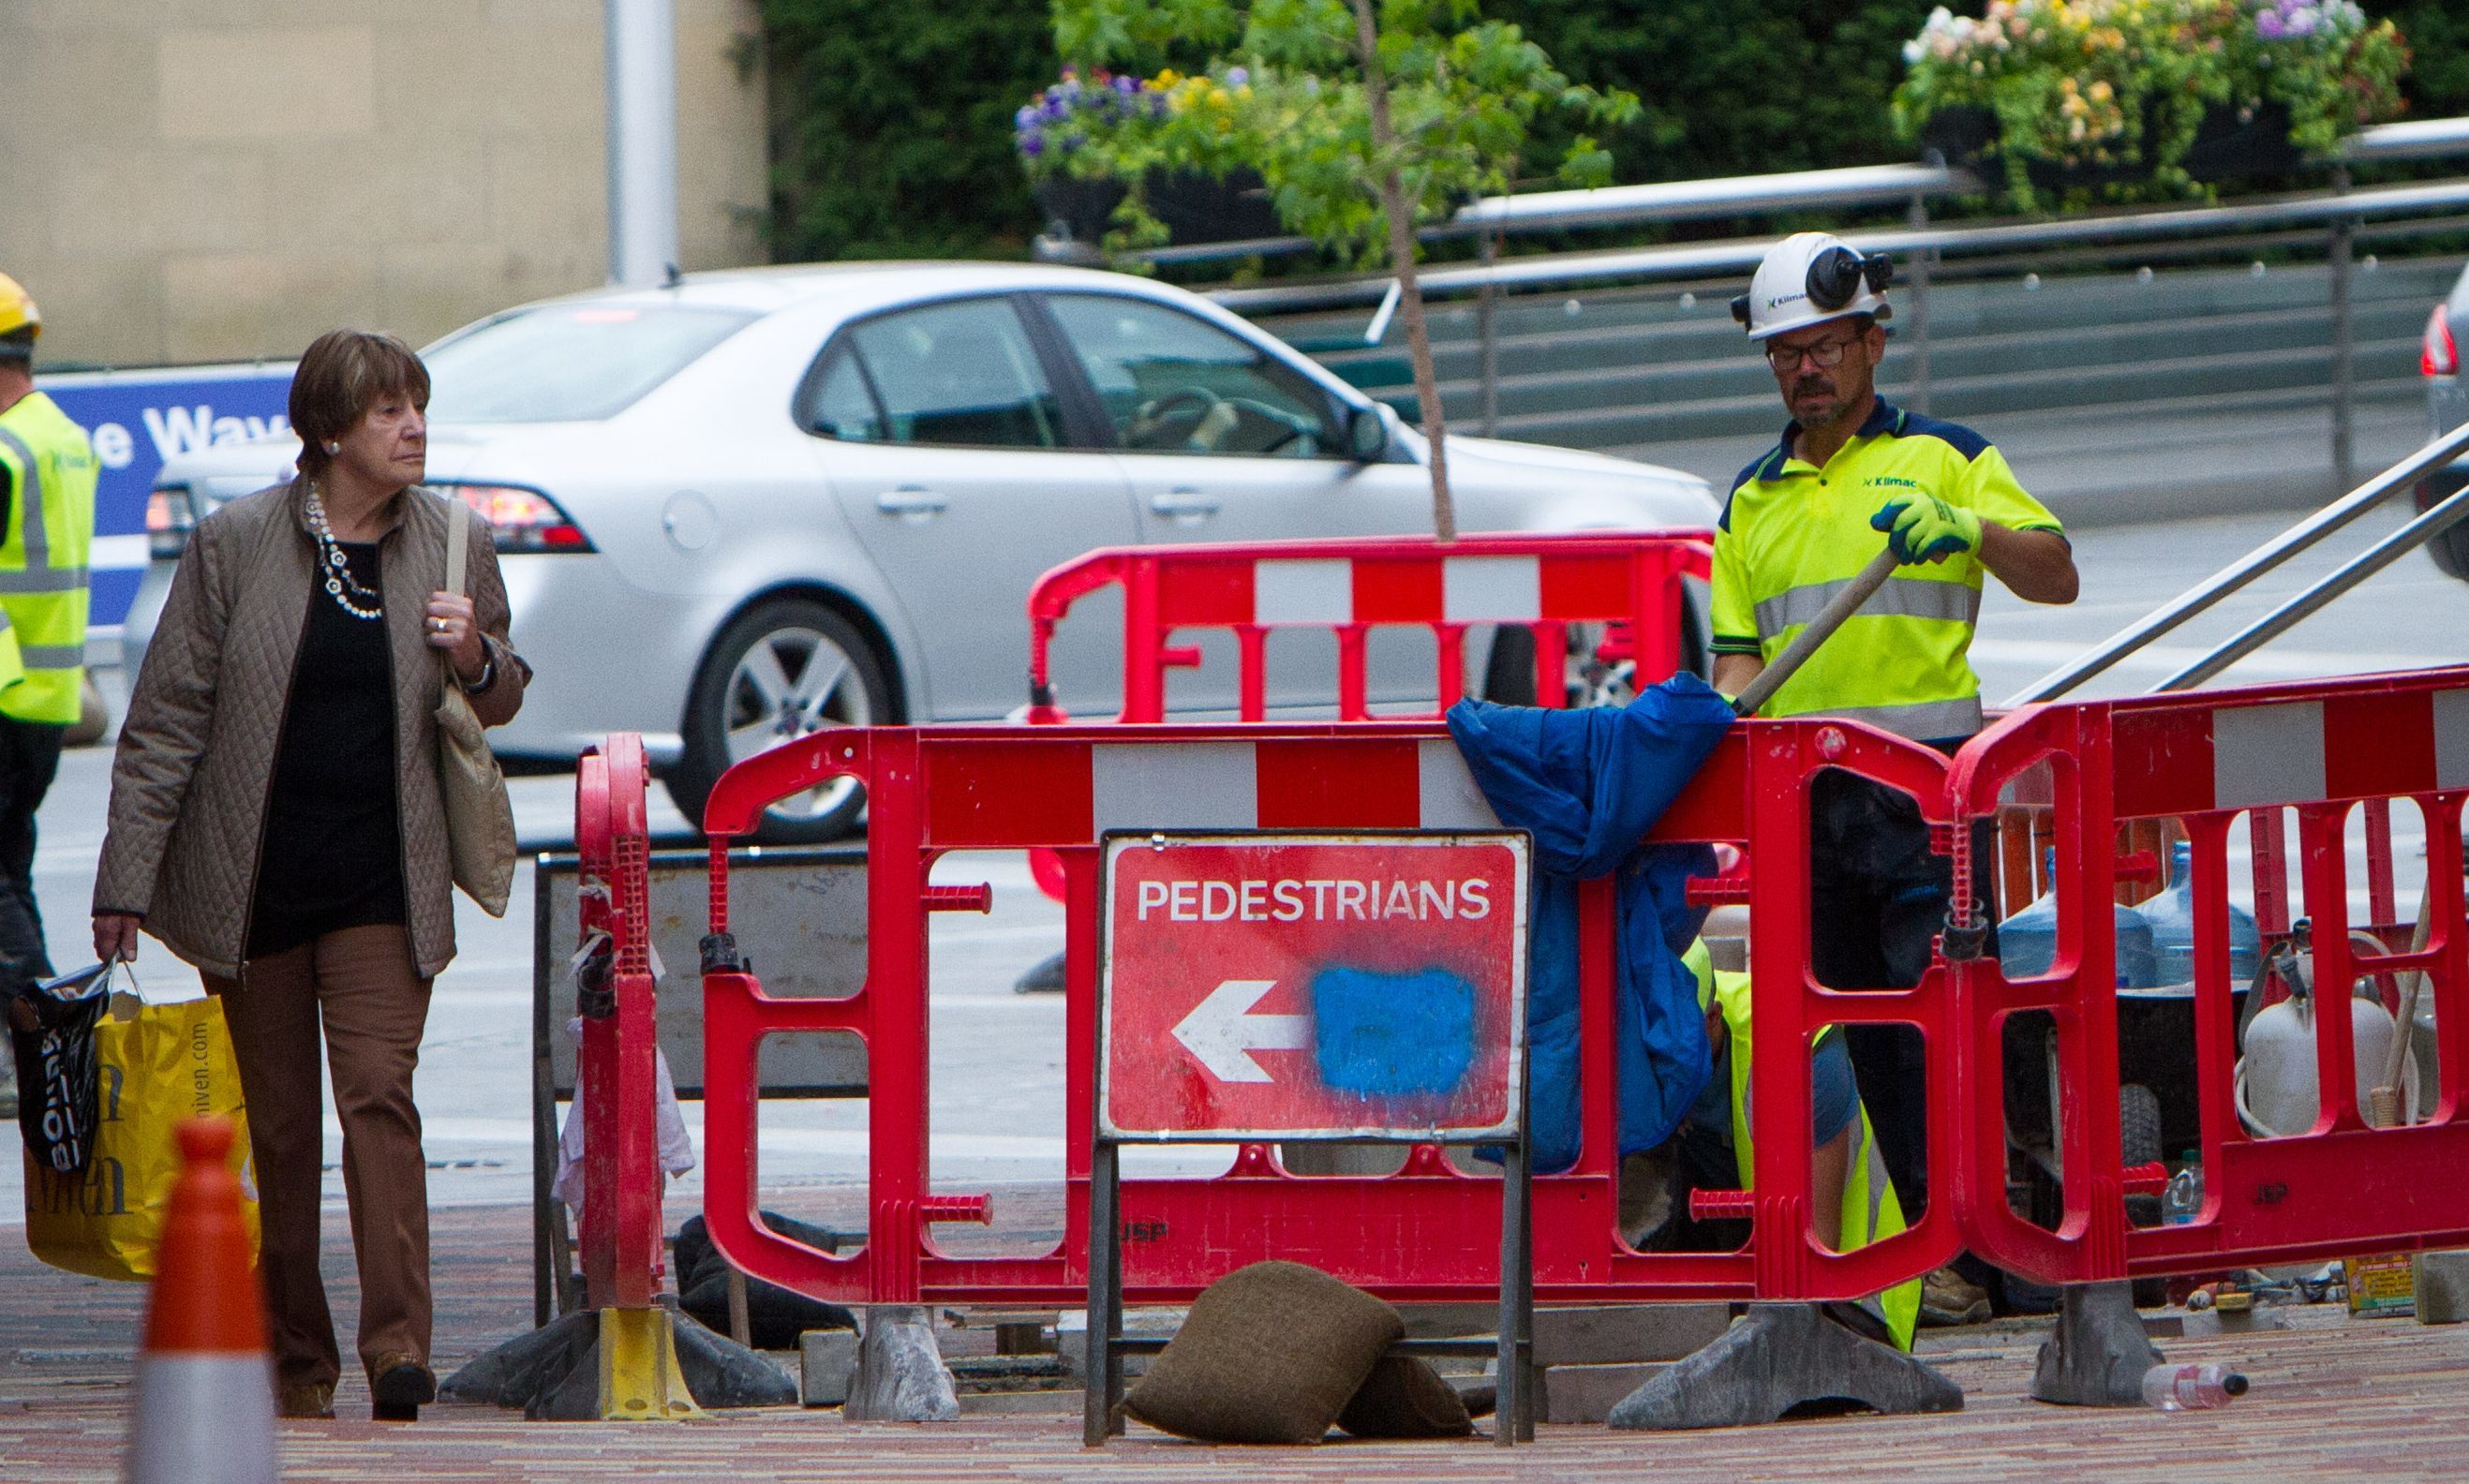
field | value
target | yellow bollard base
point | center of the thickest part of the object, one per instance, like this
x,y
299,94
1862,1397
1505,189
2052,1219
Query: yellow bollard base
x,y
640,1380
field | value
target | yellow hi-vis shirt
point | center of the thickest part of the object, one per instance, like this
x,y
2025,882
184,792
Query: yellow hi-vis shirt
x,y
1792,536
50,472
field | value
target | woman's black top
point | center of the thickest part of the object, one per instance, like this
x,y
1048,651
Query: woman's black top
x,y
333,856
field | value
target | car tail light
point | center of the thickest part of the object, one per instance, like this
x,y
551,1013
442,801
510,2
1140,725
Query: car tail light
x,y
524,520
2439,358
169,517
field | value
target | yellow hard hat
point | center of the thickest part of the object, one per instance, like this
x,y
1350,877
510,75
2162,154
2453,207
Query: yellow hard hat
x,y
17,310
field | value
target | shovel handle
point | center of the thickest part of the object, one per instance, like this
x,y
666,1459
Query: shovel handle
x,y
1819,629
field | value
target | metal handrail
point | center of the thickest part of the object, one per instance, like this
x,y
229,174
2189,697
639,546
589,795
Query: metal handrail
x,y
1689,201
1710,259
2417,139
2256,563
1735,196
2297,609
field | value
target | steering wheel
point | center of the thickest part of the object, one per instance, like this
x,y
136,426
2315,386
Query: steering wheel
x,y
1197,402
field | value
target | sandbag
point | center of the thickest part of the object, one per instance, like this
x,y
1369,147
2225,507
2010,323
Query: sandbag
x,y
1269,1354
1405,1398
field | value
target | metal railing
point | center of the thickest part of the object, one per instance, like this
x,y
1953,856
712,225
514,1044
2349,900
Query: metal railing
x,y
2337,212
2299,537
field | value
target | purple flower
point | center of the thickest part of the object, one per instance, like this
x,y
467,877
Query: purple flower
x,y
1026,118
2268,25
1236,77
1031,144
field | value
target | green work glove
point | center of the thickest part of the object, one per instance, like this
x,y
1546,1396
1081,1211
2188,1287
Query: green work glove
x,y
1926,529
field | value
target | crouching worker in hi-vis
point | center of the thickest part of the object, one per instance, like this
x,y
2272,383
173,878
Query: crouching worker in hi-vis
x,y
1854,1202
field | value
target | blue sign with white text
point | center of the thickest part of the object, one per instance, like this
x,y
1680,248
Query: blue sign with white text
x,y
139,418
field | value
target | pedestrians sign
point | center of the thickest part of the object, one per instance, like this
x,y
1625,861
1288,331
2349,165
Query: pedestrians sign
x,y
1312,986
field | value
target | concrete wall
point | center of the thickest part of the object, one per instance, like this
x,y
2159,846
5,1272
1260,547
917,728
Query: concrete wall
x,y
192,180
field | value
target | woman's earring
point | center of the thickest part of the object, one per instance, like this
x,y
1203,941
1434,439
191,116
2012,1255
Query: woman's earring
x,y
333,449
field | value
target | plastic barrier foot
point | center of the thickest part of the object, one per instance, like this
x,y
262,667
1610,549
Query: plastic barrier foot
x,y
2098,1353
1779,1357
900,1372
642,1364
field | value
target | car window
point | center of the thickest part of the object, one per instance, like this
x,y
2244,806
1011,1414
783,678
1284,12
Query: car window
x,y
1174,384
843,405
961,374
568,362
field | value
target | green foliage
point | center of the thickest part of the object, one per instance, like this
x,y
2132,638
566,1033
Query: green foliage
x,y
2108,83
892,118
891,125
1285,97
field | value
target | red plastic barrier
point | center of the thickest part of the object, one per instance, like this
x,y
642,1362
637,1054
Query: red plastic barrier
x,y
1352,586
2327,750
1427,1233
616,1079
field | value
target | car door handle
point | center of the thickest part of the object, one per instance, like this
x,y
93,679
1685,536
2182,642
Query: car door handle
x,y
1185,505
911,502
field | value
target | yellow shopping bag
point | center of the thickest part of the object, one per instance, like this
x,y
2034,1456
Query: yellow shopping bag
x,y
157,1065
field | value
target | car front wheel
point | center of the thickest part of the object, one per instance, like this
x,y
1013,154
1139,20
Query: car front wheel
x,y
782,669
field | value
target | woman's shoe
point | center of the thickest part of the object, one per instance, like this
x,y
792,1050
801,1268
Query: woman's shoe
x,y
307,1399
399,1387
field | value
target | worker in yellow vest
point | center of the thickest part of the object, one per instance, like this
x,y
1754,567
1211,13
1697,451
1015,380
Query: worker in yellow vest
x,y
1851,474
47,477
1855,1201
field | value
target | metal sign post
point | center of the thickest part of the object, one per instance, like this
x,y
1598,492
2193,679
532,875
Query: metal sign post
x,y
1297,987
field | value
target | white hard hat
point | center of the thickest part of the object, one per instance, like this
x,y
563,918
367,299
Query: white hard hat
x,y
1809,278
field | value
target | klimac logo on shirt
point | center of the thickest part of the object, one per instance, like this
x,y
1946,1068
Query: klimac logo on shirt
x,y
1894,481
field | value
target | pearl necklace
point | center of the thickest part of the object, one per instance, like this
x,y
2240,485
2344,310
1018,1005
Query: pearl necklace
x,y
339,583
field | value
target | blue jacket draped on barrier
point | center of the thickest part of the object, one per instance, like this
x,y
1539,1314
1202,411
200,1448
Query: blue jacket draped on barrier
x,y
1588,784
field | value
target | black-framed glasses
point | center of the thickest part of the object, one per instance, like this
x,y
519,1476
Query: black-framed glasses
x,y
1825,354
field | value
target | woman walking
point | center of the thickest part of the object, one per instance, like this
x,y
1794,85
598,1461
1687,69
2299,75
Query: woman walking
x,y
276,820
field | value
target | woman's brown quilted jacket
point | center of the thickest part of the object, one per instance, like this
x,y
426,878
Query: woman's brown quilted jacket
x,y
189,783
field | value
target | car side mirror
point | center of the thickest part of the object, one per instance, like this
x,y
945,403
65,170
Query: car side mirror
x,y
1367,435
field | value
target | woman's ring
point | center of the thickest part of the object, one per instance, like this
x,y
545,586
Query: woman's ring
x,y
437,624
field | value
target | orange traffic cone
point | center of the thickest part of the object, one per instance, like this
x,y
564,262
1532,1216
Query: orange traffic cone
x,y
205,1387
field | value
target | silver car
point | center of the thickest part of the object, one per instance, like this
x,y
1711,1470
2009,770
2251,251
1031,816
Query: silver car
x,y
760,502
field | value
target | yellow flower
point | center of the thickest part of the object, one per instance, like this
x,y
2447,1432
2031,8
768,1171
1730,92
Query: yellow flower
x,y
2102,92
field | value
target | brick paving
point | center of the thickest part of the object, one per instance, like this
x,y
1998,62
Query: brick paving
x,y
2334,1400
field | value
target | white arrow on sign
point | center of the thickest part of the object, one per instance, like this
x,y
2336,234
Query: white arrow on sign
x,y
1221,1031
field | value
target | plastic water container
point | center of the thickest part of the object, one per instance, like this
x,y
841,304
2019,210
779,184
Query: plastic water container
x,y
2027,943
2190,1388
2171,917
2183,1201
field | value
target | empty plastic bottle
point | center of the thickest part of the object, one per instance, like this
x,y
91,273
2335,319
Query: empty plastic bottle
x,y
2189,1389
2027,943
2171,917
2183,1201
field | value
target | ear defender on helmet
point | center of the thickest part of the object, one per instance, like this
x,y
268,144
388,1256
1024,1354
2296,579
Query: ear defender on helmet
x,y
1836,275
1741,307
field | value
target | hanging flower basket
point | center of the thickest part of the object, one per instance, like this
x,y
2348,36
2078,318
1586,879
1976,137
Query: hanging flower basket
x,y
2228,146
2145,99
1197,208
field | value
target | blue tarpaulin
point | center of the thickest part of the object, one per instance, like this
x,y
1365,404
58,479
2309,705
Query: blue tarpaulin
x,y
1588,784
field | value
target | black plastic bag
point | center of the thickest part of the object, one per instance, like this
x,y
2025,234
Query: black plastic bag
x,y
50,1029
774,1316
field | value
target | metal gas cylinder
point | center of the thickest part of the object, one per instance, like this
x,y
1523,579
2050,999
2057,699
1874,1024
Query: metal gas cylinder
x,y
2276,1088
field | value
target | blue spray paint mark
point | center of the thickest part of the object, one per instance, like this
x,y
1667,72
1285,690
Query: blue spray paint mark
x,y
1385,1035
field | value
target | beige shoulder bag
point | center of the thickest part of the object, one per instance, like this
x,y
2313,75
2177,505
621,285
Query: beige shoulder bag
x,y
479,820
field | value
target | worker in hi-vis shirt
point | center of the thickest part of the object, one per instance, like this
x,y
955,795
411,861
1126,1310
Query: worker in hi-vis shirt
x,y
1853,473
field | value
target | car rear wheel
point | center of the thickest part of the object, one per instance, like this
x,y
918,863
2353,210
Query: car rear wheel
x,y
1508,673
783,670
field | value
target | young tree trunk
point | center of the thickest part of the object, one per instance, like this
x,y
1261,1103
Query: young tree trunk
x,y
1402,256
